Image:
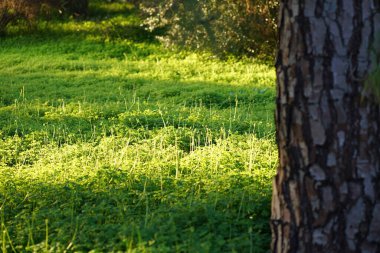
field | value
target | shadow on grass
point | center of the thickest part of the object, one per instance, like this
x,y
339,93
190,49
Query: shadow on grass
x,y
99,9
112,105
115,210
106,21
101,31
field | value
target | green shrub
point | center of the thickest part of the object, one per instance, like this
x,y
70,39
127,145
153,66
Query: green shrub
x,y
225,26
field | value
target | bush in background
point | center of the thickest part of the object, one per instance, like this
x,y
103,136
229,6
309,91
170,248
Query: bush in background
x,y
30,10
239,27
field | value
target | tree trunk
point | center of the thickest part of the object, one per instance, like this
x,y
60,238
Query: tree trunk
x,y
326,195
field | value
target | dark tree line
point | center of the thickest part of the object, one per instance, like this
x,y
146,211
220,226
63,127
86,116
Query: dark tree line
x,y
31,10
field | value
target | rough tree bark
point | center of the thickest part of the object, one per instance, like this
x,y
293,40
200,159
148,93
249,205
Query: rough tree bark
x,y
326,195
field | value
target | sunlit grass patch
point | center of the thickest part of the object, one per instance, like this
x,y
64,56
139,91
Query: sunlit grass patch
x,y
141,186
109,144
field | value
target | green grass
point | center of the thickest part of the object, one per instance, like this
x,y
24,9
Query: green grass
x,y
109,142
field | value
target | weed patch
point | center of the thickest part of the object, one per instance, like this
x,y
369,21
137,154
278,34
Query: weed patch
x,y
113,143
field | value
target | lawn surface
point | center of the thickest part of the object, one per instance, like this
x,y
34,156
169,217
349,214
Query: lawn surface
x,y
110,142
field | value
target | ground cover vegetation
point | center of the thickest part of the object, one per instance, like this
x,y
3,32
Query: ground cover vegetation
x,y
111,142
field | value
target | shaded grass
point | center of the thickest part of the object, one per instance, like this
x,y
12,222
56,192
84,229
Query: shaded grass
x,y
112,143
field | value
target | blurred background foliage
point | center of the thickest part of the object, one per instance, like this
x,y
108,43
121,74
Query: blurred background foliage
x,y
238,27
224,27
12,11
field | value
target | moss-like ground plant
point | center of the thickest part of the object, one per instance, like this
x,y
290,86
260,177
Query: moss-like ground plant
x,y
111,143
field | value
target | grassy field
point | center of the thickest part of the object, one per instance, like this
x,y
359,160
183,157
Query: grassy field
x,y
110,142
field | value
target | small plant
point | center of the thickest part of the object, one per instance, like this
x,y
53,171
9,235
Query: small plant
x,y
372,82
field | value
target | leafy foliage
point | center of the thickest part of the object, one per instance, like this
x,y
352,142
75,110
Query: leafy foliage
x,y
372,82
224,26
